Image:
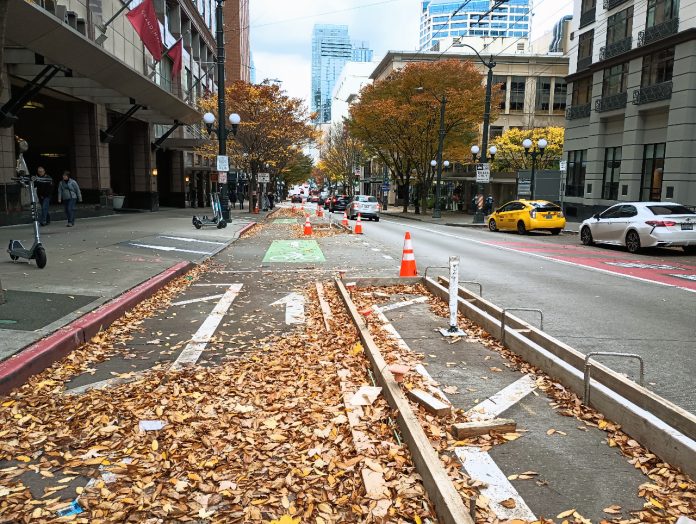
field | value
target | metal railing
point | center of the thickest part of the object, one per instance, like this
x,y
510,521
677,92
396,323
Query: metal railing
x,y
196,131
658,32
587,17
584,63
503,318
581,111
611,4
653,93
611,102
588,369
616,48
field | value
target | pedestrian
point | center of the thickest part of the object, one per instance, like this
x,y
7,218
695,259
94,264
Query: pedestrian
x,y
69,193
270,199
488,206
233,199
240,197
44,190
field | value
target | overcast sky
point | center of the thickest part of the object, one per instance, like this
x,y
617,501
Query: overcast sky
x,y
281,31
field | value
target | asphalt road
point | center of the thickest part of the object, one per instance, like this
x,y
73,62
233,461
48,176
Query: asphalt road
x,y
588,308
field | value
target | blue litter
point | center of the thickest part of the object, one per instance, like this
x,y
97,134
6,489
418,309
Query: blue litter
x,y
73,509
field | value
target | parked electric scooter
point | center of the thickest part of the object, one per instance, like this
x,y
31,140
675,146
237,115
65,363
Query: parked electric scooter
x,y
16,249
216,220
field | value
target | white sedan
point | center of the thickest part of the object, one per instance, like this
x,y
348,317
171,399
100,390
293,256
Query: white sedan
x,y
642,224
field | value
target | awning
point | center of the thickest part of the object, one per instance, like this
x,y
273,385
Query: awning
x,y
30,26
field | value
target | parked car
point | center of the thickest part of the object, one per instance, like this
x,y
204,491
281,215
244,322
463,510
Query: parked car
x,y
338,203
528,215
296,199
642,224
366,205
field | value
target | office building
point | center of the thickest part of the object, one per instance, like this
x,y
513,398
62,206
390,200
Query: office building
x,y
354,76
631,120
238,64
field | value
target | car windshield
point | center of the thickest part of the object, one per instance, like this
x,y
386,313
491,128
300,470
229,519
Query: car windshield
x,y
671,210
364,198
545,206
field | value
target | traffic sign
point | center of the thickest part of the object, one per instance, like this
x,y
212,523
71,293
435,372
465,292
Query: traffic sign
x,y
524,187
264,178
483,173
223,163
563,165
385,187
222,177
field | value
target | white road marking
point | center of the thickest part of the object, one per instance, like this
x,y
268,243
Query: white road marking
x,y
397,305
376,249
103,384
387,257
184,239
550,259
480,466
194,300
294,308
192,352
503,400
168,248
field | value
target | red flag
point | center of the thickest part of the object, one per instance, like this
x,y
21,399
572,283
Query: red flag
x,y
176,53
144,21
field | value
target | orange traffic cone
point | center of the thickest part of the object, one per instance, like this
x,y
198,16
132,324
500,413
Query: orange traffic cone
x,y
358,226
344,222
307,226
256,207
408,259
320,212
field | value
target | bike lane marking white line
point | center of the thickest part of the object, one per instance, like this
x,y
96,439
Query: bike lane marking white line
x,y
294,308
194,300
397,305
168,248
480,466
503,400
192,352
185,239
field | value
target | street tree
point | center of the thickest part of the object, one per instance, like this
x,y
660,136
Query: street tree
x,y
341,153
511,157
273,128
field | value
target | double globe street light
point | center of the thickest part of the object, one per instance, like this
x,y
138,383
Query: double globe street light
x,y
222,131
539,152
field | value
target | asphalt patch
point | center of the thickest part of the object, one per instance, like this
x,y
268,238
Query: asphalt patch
x,y
29,310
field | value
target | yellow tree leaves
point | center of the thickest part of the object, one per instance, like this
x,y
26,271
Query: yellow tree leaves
x,y
510,156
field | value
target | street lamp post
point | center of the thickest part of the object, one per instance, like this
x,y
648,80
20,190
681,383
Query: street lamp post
x,y
222,131
475,150
539,152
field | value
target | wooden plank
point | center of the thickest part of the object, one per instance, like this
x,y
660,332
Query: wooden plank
x,y
430,403
448,503
474,429
386,281
325,308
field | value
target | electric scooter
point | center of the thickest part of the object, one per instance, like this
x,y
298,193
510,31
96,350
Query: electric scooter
x,y
16,249
216,220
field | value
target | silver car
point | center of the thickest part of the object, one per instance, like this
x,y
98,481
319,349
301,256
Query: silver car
x,y
642,224
367,206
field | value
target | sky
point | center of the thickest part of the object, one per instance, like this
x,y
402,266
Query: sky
x,y
281,31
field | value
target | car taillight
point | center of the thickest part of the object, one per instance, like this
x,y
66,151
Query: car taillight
x,y
660,223
532,213
379,207
560,214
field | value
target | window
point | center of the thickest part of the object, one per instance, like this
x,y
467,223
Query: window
x,y
612,170
628,211
560,92
543,93
661,11
588,5
585,43
671,210
615,78
582,92
517,93
620,26
657,67
653,169
612,212
575,177
496,131
502,80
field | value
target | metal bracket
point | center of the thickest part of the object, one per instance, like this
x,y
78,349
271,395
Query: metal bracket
x,y
588,369
158,143
425,275
473,282
108,135
504,315
8,115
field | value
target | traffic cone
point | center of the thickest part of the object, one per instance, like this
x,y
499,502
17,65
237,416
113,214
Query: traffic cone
x,y
358,226
320,213
256,207
408,259
307,226
344,222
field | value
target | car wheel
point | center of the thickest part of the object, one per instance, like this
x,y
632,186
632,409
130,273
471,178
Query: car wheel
x,y
586,236
689,250
632,242
521,228
492,225
377,219
556,231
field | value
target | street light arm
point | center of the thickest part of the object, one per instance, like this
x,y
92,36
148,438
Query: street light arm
x,y
490,64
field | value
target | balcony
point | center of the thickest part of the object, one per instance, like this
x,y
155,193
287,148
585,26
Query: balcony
x,y
581,111
584,63
658,32
611,4
615,49
587,17
611,102
653,93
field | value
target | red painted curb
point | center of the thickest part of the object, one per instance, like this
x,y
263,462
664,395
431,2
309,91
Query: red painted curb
x,y
246,228
40,355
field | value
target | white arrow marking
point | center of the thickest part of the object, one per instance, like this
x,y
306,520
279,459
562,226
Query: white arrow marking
x,y
184,239
168,248
503,400
294,308
194,300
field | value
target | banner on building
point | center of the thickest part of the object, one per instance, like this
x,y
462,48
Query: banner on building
x,y
176,53
144,20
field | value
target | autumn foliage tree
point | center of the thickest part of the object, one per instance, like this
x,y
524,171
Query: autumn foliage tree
x,y
511,157
273,131
341,152
398,118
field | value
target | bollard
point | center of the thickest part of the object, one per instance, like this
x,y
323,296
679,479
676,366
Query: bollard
x,y
453,330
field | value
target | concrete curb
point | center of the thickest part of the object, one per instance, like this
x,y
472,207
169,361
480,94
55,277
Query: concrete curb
x,y
35,358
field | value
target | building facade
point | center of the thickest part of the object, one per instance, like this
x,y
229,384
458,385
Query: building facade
x,y
88,97
631,117
491,19
354,76
238,65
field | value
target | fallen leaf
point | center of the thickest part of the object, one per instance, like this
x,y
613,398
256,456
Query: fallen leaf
x,y
508,503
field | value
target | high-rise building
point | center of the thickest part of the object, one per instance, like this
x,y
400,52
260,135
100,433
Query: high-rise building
x,y
443,19
331,50
237,48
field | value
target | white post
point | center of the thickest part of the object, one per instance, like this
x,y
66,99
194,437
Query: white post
x,y
453,330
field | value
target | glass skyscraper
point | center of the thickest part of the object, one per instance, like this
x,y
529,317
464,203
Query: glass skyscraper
x,y
331,49
480,18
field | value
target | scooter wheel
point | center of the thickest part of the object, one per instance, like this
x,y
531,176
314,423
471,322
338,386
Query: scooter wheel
x,y
40,257
221,224
197,224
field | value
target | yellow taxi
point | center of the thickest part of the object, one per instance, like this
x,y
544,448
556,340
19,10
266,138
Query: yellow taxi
x,y
528,215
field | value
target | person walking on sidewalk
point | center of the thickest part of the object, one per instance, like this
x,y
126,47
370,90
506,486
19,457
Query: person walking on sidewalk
x,y
44,191
240,197
233,199
69,193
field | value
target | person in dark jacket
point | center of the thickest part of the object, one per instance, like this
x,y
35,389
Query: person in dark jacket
x,y
69,193
44,190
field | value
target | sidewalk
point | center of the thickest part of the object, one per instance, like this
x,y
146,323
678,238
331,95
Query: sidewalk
x,y
98,259
453,218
